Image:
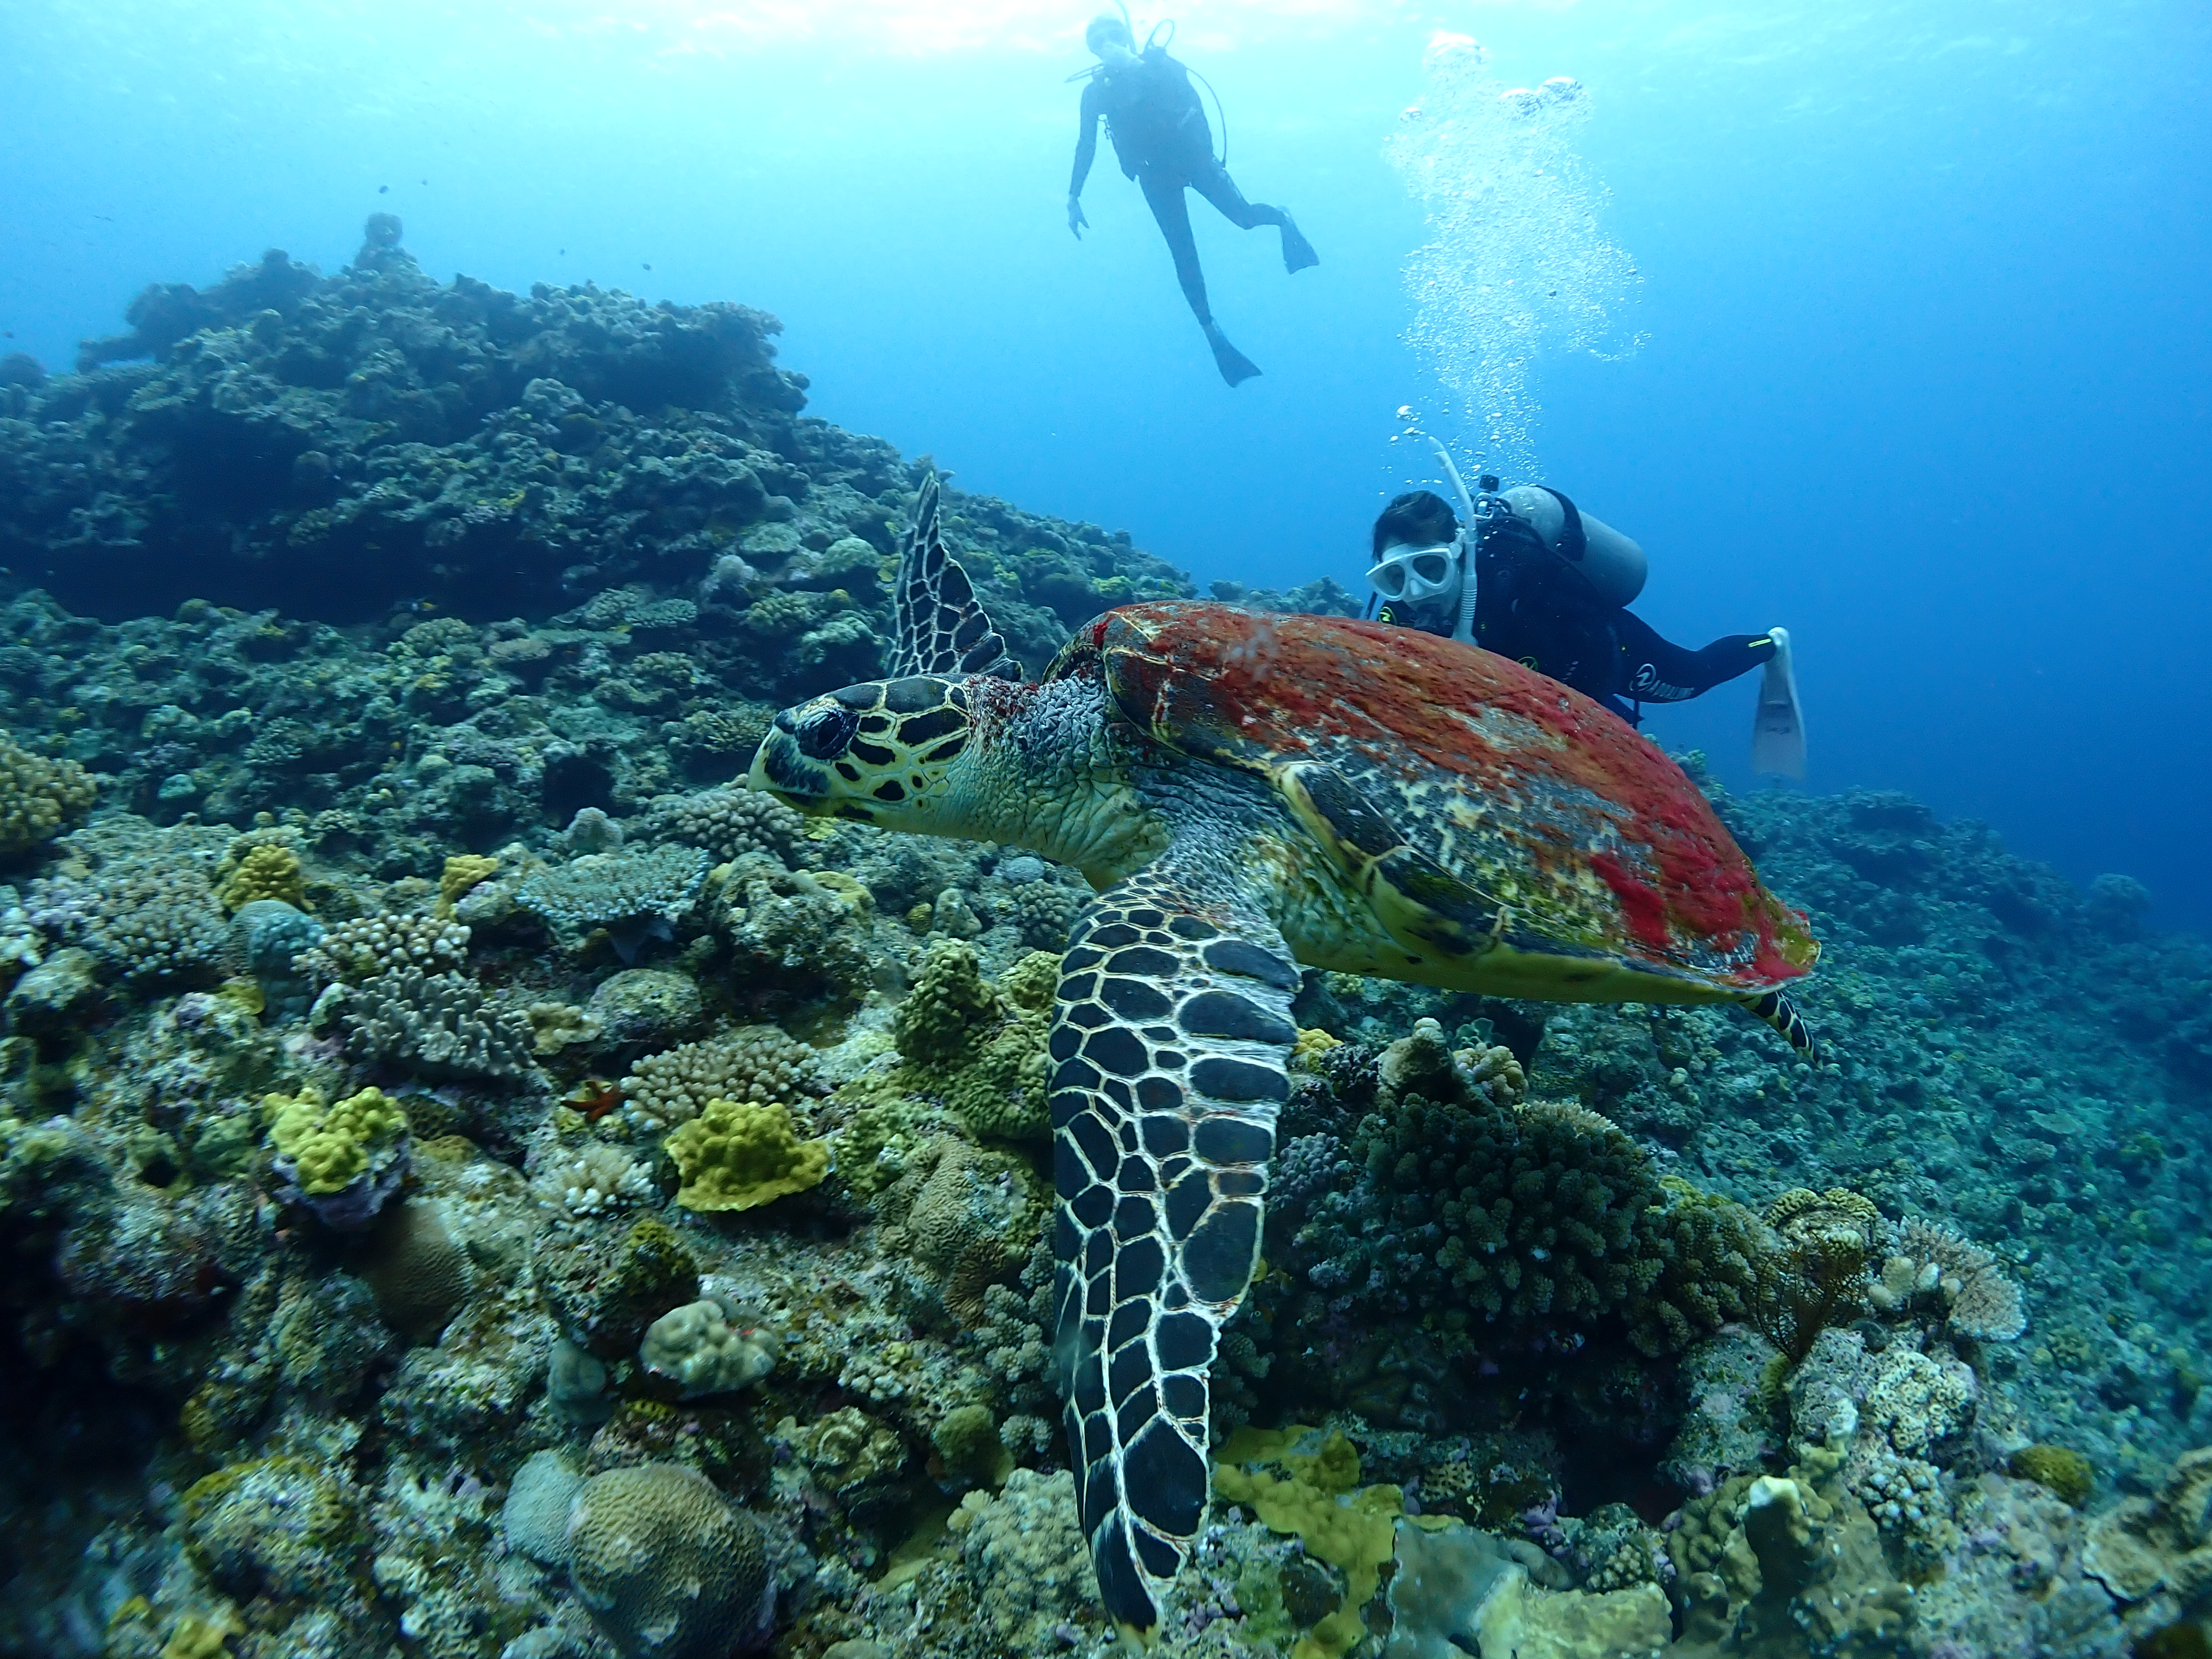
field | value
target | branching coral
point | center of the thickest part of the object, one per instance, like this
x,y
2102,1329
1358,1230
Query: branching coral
x,y
756,1063
436,1025
38,798
264,871
732,822
369,945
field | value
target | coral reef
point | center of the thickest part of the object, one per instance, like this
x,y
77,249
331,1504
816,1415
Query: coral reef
x,y
397,1265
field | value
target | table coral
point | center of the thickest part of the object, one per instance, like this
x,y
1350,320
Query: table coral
x,y
635,896
739,1156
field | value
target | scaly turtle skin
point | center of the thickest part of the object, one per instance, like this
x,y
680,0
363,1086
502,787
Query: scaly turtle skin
x,y
1249,792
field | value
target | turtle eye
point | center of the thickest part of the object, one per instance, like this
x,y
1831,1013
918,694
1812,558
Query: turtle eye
x,y
825,732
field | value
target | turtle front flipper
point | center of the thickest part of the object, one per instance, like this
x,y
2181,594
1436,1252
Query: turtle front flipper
x,y
1171,1045
942,629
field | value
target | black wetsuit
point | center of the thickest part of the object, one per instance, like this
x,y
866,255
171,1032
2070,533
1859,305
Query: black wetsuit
x,y
1533,605
1162,142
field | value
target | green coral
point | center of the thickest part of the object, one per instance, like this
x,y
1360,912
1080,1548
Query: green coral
x,y
1318,1498
1542,1213
978,1046
332,1147
943,1017
738,1157
2061,1468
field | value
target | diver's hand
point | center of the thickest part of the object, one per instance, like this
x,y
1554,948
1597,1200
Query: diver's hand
x,y
1076,221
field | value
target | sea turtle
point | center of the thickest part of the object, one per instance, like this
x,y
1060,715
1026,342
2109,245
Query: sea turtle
x,y
1249,793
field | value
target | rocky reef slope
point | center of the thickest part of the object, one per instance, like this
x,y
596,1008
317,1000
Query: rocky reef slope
x,y
480,1185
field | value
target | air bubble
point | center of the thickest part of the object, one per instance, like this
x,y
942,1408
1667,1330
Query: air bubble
x,y
1514,268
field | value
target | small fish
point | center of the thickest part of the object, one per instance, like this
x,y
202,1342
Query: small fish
x,y
648,265
384,190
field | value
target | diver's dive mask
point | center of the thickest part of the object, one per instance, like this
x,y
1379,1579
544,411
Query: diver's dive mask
x,y
1418,577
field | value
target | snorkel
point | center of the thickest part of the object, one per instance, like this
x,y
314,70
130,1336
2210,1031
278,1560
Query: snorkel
x,y
1463,630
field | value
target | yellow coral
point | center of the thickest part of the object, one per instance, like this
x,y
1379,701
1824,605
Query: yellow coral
x,y
1319,1499
463,871
738,1157
38,798
1313,1043
330,1146
266,872
2060,1468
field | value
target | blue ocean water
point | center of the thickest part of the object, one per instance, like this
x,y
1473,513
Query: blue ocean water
x,y
1922,289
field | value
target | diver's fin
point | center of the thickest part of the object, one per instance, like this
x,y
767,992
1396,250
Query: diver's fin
x,y
1781,1013
1236,366
942,627
1297,252
1778,729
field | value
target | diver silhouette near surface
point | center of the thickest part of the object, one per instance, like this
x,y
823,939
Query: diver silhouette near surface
x,y
1549,586
1162,140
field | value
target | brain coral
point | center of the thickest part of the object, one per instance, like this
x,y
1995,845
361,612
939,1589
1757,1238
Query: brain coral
x,y
667,1567
38,798
738,1157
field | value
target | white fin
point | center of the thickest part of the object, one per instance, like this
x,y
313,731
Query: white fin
x,y
1778,729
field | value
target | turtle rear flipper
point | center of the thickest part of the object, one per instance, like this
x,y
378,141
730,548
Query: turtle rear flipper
x,y
942,629
1782,1014
1170,1050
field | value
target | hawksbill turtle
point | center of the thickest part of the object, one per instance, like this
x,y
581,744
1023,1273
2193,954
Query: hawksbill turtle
x,y
1249,792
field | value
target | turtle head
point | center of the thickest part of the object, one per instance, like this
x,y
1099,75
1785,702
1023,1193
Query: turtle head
x,y
972,759
886,752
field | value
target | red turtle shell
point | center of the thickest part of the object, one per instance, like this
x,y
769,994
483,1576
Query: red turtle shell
x,y
1530,794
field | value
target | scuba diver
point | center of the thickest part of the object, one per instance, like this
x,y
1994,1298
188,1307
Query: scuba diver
x,y
1162,140
1550,585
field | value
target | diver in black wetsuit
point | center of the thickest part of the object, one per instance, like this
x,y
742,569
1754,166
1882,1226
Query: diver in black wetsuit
x,y
1551,588
1162,142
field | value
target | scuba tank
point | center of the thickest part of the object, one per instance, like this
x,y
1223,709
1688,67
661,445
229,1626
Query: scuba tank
x,y
1612,563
